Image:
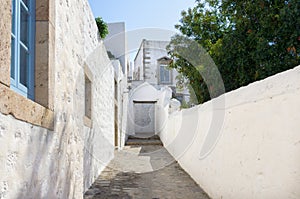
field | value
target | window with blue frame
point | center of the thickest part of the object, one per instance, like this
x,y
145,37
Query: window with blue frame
x,y
22,47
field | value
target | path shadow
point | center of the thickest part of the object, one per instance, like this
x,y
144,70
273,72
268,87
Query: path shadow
x,y
169,180
120,186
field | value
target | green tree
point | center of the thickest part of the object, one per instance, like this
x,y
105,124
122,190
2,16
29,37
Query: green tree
x,y
248,40
184,51
263,40
102,27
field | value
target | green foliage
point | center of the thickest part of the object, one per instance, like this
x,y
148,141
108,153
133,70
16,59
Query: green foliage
x,y
248,40
102,27
185,105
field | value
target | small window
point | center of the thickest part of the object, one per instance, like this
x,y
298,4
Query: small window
x,y
88,97
164,74
22,47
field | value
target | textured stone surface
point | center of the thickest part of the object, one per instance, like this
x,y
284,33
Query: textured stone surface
x,y
42,59
45,53
24,109
42,10
5,32
150,172
38,163
45,10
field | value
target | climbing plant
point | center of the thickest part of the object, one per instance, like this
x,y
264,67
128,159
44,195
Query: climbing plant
x,y
102,27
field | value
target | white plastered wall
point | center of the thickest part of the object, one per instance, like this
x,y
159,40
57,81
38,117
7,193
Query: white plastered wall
x,y
257,153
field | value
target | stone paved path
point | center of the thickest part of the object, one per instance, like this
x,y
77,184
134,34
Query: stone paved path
x,y
144,172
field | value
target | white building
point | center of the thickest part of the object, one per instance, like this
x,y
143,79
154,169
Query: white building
x,y
151,62
57,121
153,86
116,45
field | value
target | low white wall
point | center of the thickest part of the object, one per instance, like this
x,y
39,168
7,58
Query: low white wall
x,y
147,92
257,154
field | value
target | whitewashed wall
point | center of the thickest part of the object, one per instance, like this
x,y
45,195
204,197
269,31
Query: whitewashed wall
x,y
147,92
124,119
116,43
99,140
122,102
37,163
258,151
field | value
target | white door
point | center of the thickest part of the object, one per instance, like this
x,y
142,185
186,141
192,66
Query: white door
x,y
144,117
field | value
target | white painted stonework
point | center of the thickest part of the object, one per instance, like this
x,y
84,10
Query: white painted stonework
x,y
257,154
122,101
38,163
116,44
147,109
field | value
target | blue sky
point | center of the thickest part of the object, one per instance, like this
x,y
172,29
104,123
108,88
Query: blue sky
x,y
144,19
137,14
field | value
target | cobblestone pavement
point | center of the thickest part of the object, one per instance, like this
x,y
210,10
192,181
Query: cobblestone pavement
x,y
144,172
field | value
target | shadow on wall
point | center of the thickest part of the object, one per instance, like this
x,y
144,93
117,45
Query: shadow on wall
x,y
88,159
53,169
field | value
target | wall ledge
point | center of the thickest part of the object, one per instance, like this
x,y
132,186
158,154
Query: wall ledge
x,y
12,103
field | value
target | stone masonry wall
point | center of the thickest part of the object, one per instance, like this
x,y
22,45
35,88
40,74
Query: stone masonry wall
x,y
38,163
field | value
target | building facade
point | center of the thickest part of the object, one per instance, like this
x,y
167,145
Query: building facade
x,y
151,64
116,46
152,88
56,99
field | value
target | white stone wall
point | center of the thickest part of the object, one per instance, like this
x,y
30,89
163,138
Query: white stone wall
x,y
99,141
146,92
37,163
122,102
257,154
123,111
116,43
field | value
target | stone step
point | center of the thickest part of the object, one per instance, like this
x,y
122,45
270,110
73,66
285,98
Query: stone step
x,y
144,137
139,142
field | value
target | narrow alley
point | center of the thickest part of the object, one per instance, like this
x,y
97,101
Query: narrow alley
x,y
144,169
149,99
